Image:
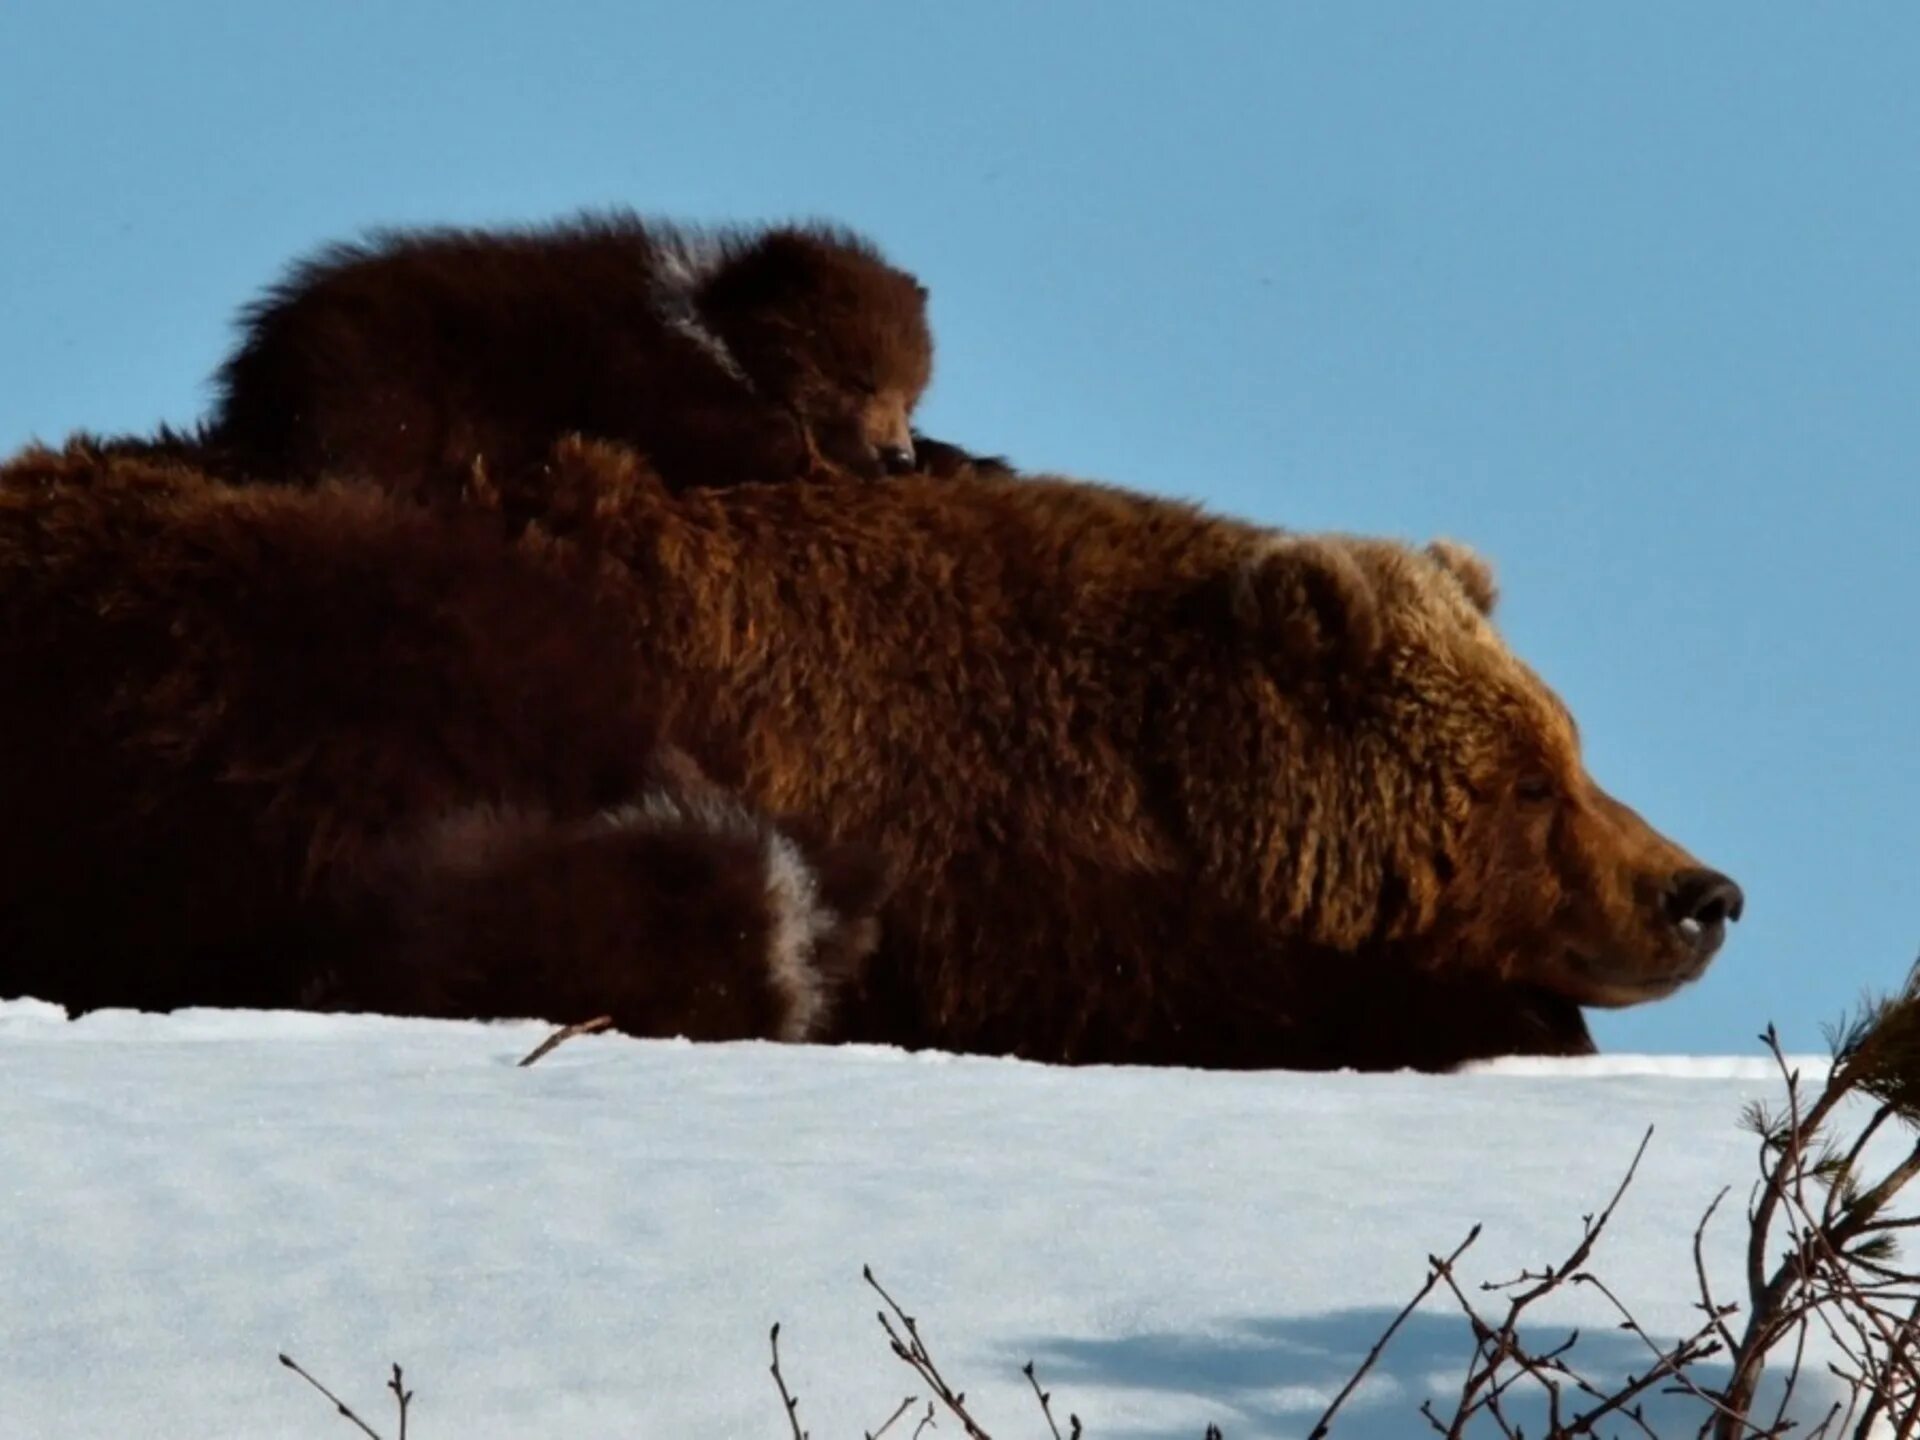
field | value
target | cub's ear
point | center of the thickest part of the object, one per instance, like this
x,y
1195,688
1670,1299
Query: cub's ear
x,y
765,275
1305,599
854,880
1471,569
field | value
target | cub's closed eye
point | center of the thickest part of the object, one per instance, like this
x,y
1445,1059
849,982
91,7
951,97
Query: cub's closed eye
x,y
1533,789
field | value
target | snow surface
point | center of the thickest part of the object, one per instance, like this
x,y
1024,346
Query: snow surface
x,y
597,1245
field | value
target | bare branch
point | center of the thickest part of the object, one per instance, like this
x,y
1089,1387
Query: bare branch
x,y
564,1034
1436,1267
1046,1400
402,1397
914,1352
338,1404
1716,1311
790,1401
904,1404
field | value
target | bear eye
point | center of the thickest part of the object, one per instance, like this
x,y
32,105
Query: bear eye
x,y
1533,789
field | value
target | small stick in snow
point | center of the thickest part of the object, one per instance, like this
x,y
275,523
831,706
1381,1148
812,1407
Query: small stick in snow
x,y
1436,1267
566,1033
876,1434
792,1402
1046,1407
338,1403
914,1352
402,1397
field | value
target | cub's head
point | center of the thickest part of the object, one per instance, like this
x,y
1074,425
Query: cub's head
x,y
1401,780
683,913
824,326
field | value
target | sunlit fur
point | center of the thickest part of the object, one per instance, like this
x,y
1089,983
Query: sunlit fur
x,y
725,355
1565,889
277,747
1162,786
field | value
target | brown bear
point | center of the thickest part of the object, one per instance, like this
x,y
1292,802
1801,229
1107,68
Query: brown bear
x,y
678,913
944,460
724,355
1162,787
274,747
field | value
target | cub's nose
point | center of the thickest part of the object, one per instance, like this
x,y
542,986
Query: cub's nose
x,y
896,459
1700,903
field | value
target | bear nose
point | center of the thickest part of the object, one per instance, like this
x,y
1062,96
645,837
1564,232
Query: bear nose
x,y
896,459
1700,903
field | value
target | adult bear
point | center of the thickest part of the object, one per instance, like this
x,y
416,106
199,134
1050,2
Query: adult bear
x,y
1162,787
319,748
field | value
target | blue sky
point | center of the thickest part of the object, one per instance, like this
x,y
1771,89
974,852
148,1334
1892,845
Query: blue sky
x,y
1628,296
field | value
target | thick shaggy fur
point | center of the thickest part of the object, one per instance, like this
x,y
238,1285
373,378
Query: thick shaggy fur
x,y
725,356
674,914
1162,787
275,747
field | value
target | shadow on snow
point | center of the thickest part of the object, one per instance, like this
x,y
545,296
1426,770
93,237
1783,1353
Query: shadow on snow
x,y
1274,1376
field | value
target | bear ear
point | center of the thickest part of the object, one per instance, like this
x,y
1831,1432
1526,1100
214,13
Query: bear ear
x,y
778,266
854,880
1306,598
920,290
1470,569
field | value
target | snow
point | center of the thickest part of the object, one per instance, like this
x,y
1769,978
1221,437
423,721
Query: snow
x,y
597,1245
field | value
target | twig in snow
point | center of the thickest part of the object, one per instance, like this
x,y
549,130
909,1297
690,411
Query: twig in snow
x,y
402,1397
792,1402
1436,1267
914,1352
1046,1407
338,1404
564,1034
876,1434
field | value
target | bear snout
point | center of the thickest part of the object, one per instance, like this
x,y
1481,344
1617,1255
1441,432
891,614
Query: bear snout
x,y
888,431
1699,904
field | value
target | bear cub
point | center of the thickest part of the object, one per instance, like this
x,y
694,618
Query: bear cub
x,y
725,355
678,913
274,747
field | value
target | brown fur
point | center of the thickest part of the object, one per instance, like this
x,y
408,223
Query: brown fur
x,y
725,356
943,460
270,747
1163,787
659,915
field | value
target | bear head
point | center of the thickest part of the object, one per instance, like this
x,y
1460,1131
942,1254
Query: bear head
x,y
825,327
1386,777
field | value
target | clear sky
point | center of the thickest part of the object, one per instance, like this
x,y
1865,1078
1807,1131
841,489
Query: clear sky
x,y
1628,296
